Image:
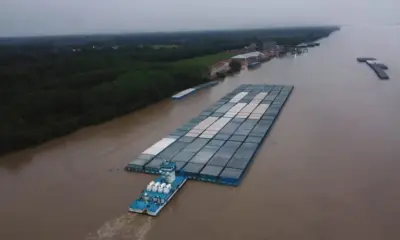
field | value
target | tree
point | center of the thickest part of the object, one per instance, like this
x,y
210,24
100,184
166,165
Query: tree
x,y
48,90
235,65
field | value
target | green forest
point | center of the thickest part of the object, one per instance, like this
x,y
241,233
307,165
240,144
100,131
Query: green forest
x,y
51,86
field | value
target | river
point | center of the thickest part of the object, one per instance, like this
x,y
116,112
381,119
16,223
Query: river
x,y
328,170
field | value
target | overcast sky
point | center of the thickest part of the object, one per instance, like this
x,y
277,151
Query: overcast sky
x,y
48,17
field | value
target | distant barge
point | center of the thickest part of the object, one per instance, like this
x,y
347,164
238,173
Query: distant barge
x,y
378,70
364,59
375,65
189,91
380,64
253,65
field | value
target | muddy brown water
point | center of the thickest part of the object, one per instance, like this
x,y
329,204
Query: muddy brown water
x,y
330,168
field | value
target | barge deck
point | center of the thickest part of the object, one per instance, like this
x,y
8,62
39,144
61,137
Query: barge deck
x,y
218,145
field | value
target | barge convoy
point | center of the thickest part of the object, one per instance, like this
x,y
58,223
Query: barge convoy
x,y
217,146
377,66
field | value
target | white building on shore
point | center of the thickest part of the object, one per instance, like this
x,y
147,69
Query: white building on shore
x,y
249,57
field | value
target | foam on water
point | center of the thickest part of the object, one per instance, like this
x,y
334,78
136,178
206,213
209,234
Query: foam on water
x,y
127,226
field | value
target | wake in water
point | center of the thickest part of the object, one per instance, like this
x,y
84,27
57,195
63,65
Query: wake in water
x,y
127,226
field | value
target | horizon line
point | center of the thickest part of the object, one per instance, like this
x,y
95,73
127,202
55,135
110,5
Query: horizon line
x,y
165,32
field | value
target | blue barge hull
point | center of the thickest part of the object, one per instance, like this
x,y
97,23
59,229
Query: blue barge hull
x,y
220,144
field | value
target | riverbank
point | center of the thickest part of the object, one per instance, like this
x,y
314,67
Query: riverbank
x,y
54,111
49,91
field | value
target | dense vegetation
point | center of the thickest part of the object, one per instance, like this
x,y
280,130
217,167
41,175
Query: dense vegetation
x,y
51,86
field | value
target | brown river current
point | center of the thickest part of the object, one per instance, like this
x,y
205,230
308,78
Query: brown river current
x,y
329,169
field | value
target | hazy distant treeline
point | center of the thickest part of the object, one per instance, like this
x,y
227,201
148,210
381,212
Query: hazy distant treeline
x,y
47,89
